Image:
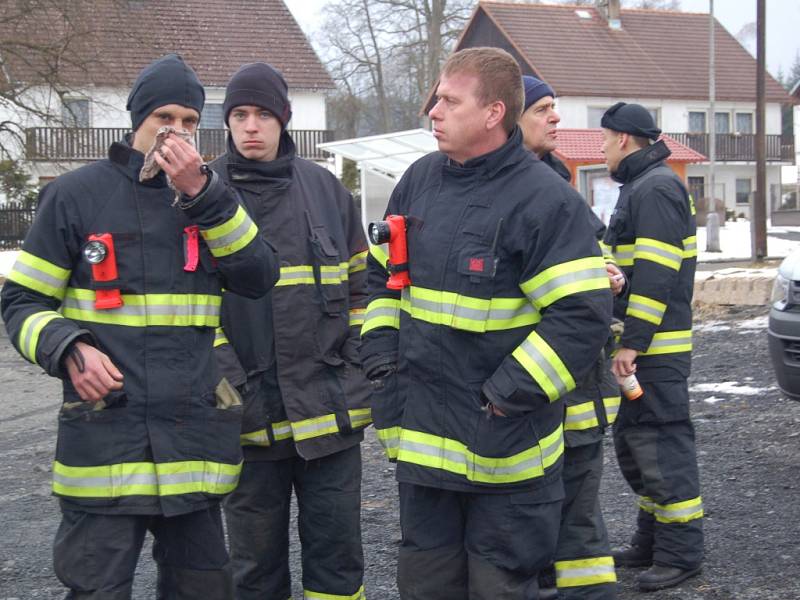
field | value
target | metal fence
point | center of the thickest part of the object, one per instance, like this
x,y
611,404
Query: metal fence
x,y
15,221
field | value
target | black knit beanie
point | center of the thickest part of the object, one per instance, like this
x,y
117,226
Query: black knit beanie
x,y
634,119
167,80
258,84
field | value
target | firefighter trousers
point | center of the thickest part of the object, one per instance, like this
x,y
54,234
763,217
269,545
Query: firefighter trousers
x,y
473,546
328,492
659,462
95,555
584,565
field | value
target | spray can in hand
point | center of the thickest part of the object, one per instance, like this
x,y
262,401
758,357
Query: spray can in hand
x,y
630,387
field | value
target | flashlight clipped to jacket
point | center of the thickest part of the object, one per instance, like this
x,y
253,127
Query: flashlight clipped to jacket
x,y
393,232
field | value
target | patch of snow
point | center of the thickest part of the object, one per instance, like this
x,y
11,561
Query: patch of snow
x,y
730,387
7,260
711,326
755,323
713,400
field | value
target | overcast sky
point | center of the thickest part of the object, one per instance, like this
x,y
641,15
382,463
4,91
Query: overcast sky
x,y
783,23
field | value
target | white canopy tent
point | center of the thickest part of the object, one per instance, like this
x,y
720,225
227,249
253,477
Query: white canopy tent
x,y
382,160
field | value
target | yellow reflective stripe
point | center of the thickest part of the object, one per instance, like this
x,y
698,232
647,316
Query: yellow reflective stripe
x,y
219,337
624,255
304,275
39,275
390,440
611,405
145,479
692,207
435,452
233,235
544,366
585,571
658,252
690,246
309,595
646,504
144,310
669,342
679,512
258,437
608,255
382,312
282,430
646,309
581,416
358,262
318,426
467,313
28,339
357,317
333,274
573,277
379,255
360,417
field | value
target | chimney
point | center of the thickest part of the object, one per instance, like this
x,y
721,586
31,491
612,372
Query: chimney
x,y
610,11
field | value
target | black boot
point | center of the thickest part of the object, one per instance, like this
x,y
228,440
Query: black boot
x,y
633,556
659,577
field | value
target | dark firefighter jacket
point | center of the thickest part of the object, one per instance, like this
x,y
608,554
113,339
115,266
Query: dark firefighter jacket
x,y
160,445
306,330
652,235
595,402
509,304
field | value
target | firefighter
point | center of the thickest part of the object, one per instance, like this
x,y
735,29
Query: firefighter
x,y
294,353
652,235
584,567
117,292
507,307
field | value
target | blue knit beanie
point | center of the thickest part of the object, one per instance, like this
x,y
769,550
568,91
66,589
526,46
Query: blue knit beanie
x,y
535,89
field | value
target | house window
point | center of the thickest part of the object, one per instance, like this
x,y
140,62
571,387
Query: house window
x,y
743,189
212,117
654,112
75,112
697,188
594,115
722,122
697,122
744,122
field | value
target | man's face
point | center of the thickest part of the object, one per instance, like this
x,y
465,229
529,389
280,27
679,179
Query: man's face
x,y
256,132
459,120
174,115
612,149
539,126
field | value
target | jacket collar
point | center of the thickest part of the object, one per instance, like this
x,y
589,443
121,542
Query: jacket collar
x,y
552,161
130,162
255,174
640,161
492,162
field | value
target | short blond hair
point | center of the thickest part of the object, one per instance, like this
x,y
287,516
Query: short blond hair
x,y
499,78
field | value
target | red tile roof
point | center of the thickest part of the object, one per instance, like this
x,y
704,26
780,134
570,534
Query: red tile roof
x,y
583,145
655,54
116,38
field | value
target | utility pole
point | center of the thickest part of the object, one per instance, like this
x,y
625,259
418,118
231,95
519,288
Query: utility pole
x,y
712,237
758,226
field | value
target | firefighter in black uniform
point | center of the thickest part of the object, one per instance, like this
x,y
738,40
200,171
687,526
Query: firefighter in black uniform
x,y
294,354
652,236
117,292
584,568
507,308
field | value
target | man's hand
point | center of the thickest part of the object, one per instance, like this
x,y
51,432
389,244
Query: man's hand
x,y
181,161
616,277
92,372
624,363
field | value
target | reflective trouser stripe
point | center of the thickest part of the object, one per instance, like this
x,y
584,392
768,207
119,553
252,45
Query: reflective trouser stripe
x,y
545,366
435,452
581,416
309,595
39,275
144,310
646,309
559,281
28,340
219,337
669,342
357,317
658,252
358,262
677,512
690,246
611,404
145,479
381,312
233,235
390,440
585,571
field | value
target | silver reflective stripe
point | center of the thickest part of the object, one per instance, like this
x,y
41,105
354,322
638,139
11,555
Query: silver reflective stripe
x,y
464,312
231,238
555,379
582,572
647,504
106,482
658,314
282,430
664,343
197,476
578,417
374,313
690,245
31,332
672,256
332,275
672,513
566,279
611,410
312,426
142,310
624,255
40,276
470,466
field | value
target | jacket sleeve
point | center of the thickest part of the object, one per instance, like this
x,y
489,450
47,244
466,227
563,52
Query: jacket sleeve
x,y
249,265
36,285
660,219
356,275
564,278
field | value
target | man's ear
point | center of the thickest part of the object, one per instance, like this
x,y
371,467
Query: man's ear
x,y
496,114
623,140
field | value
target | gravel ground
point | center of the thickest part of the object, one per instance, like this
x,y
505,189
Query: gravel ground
x,y
749,451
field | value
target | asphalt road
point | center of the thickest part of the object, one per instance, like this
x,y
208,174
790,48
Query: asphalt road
x,y
749,454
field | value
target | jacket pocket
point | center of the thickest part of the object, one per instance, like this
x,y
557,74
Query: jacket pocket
x,y
330,272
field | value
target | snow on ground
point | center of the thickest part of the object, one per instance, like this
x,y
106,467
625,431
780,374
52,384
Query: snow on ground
x,y
728,387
